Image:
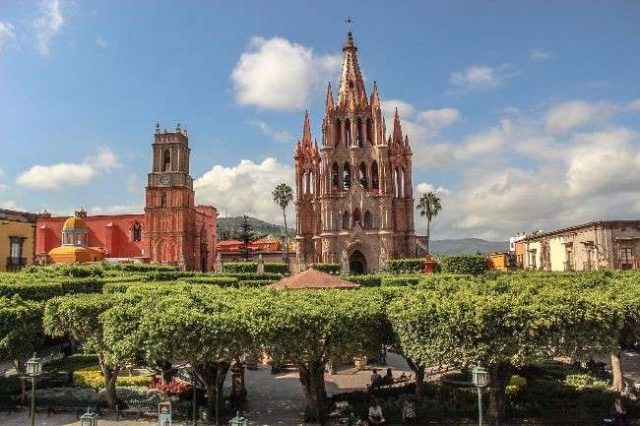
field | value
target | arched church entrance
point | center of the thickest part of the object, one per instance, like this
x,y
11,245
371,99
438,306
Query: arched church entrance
x,y
357,263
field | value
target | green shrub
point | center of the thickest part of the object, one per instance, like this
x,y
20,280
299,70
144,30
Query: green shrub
x,y
397,281
242,267
71,397
252,276
254,283
133,396
580,381
516,385
365,280
276,268
9,386
31,291
403,266
463,264
137,267
213,279
329,268
111,288
73,363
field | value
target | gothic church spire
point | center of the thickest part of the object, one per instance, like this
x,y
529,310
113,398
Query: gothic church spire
x,y
352,94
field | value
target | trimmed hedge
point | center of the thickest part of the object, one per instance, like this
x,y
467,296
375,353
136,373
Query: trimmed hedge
x,y
463,264
276,268
92,378
397,281
329,268
240,267
212,280
44,291
254,283
403,266
365,280
253,276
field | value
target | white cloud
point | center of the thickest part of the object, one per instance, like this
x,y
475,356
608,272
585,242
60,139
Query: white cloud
x,y
48,24
57,176
540,55
60,175
7,34
571,114
425,187
604,163
101,42
244,188
486,142
281,136
405,109
476,78
438,118
634,106
9,205
279,74
116,209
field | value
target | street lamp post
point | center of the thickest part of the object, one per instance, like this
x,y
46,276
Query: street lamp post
x,y
480,380
89,418
34,369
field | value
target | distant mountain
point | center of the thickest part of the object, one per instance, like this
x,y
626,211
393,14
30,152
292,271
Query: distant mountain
x,y
229,227
467,246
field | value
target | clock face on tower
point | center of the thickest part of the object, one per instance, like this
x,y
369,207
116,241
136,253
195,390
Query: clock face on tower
x,y
165,179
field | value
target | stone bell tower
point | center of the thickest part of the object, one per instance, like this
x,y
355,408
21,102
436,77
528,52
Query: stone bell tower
x,y
170,217
354,198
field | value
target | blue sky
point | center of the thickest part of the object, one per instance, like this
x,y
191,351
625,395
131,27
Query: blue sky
x,y
523,115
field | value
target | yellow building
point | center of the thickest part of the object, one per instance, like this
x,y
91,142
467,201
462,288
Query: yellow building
x,y
75,244
17,239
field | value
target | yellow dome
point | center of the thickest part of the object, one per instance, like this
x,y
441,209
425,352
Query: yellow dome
x,y
74,222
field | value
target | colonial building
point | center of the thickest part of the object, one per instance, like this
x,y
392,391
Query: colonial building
x,y
172,230
591,246
17,239
354,198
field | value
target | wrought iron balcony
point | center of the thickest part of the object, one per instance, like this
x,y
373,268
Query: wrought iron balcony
x,y
14,264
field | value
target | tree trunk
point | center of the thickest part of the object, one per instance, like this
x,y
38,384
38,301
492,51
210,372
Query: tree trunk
x,y
19,366
312,379
212,375
238,389
110,375
428,234
499,375
284,239
618,375
420,373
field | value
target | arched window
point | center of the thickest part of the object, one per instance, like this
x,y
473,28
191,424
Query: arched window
x,y
335,176
347,133
166,160
359,135
163,199
368,220
338,132
356,216
370,131
346,176
345,220
402,183
362,176
137,232
311,182
375,183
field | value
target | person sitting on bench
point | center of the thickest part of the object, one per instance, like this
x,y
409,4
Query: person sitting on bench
x,y
375,414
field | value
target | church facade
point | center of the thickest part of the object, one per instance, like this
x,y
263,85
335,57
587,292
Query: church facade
x,y
354,196
172,229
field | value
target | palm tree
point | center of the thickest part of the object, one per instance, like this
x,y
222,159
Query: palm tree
x,y
429,206
282,196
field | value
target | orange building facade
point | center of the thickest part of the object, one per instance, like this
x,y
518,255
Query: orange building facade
x,y
172,229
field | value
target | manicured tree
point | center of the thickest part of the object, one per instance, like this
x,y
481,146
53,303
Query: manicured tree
x,y
20,332
310,328
429,206
282,196
199,325
78,317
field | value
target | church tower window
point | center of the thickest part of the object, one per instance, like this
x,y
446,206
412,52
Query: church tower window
x,y
347,133
335,176
346,176
345,220
137,232
359,135
356,216
375,184
362,175
163,199
166,160
368,220
338,132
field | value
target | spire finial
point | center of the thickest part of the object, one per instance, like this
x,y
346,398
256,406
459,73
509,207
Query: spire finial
x,y
157,126
179,127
